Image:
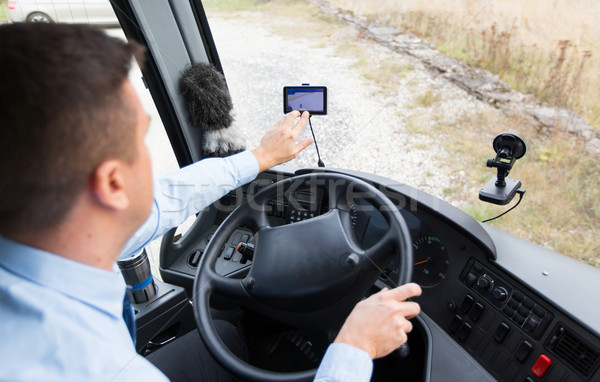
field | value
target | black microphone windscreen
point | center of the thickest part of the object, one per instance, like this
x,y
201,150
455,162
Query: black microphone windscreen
x,y
206,97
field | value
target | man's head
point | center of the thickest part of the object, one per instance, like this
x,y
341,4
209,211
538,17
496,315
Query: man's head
x,y
66,108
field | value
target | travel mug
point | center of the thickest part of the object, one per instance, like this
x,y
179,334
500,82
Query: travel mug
x,y
138,277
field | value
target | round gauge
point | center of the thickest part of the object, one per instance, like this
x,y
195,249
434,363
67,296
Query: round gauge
x,y
430,261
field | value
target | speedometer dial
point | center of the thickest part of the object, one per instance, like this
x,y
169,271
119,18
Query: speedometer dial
x,y
430,261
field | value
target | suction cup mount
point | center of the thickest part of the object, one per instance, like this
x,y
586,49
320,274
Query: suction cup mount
x,y
500,190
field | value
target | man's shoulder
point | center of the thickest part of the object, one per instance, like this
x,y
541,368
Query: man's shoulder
x,y
44,340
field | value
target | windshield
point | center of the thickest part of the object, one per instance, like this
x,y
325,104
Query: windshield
x,y
405,102
417,91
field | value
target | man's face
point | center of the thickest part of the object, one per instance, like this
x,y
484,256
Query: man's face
x,y
141,197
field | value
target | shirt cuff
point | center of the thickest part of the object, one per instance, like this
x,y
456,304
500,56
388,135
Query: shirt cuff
x,y
246,165
345,363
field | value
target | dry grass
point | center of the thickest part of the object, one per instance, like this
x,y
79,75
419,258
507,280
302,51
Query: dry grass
x,y
560,209
428,98
547,48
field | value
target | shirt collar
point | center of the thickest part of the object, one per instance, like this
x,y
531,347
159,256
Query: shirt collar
x,y
96,287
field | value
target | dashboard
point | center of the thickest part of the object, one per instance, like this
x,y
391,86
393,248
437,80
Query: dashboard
x,y
502,328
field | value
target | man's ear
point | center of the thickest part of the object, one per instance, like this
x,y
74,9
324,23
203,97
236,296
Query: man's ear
x,y
108,184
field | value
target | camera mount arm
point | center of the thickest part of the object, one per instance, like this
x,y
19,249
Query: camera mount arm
x,y
509,147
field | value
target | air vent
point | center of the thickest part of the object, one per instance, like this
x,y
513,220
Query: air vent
x,y
574,351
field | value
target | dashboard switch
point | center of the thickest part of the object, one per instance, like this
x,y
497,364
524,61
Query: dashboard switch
x,y
464,331
467,303
451,306
500,294
528,303
541,366
195,258
455,323
501,332
539,312
508,311
517,296
523,351
228,253
523,311
247,251
471,279
485,282
477,312
531,324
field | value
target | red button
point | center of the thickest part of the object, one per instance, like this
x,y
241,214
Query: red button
x,y
541,365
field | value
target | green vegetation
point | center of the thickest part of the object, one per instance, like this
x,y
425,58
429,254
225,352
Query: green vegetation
x,y
428,98
230,5
4,11
560,209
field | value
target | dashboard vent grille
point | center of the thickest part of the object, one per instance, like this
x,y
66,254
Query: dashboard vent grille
x,y
574,351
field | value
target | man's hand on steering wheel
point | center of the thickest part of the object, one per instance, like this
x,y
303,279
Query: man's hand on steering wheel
x,y
310,274
379,324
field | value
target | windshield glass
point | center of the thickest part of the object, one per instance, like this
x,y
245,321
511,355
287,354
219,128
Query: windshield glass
x,y
418,91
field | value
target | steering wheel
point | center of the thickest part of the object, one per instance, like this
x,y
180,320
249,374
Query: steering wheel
x,y
308,274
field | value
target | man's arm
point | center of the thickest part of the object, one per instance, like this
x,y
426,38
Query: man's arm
x,y
186,192
377,326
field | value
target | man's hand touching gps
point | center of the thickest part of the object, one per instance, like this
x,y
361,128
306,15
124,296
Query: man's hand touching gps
x,y
280,143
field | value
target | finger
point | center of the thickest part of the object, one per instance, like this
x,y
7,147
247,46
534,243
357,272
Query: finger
x,y
410,309
402,338
291,117
301,123
294,113
405,291
303,144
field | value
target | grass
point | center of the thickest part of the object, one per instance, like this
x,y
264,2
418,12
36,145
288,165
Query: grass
x,y
4,11
560,209
428,98
547,49
230,5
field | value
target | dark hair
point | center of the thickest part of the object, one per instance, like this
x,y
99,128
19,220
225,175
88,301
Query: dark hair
x,y
62,113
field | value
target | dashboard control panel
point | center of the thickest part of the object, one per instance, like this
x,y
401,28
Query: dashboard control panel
x,y
513,304
298,207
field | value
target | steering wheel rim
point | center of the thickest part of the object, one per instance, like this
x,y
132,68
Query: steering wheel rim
x,y
358,267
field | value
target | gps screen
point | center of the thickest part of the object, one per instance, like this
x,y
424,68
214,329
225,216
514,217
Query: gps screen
x,y
312,99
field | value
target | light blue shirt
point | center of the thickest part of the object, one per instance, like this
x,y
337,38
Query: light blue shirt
x,y
61,320
189,190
